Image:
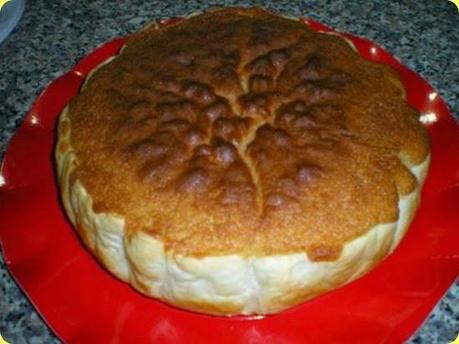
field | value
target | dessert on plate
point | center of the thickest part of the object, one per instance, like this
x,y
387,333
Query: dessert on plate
x,y
237,162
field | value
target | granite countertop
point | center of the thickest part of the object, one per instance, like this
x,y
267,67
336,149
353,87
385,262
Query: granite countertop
x,y
53,35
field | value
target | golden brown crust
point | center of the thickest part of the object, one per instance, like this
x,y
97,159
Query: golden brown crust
x,y
239,131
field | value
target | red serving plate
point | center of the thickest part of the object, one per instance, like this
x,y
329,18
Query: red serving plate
x,y
83,303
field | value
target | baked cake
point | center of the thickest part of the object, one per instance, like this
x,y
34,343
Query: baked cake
x,y
238,162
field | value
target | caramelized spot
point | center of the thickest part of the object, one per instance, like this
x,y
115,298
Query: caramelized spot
x,y
194,180
165,138
179,109
141,110
153,170
289,187
284,118
274,136
279,57
255,105
226,74
260,83
298,106
261,66
306,172
315,91
203,150
182,58
224,127
216,110
325,113
168,83
177,125
323,253
225,153
199,92
236,175
194,137
148,148
276,199
339,79
304,121
313,69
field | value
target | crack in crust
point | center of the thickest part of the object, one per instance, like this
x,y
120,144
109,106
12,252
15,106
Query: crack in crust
x,y
249,138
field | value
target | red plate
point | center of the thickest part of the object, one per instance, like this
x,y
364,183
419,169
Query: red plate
x,y
83,303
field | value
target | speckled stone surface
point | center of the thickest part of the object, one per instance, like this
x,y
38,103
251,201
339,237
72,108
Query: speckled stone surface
x,y
53,35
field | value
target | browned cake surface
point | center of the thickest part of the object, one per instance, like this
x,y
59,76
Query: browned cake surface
x,y
239,131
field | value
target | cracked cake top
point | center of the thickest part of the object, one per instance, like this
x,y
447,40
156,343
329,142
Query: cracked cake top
x,y
240,131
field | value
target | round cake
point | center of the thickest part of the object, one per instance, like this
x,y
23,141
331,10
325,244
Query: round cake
x,y
237,162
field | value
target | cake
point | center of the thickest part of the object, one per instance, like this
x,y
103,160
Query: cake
x,y
237,162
